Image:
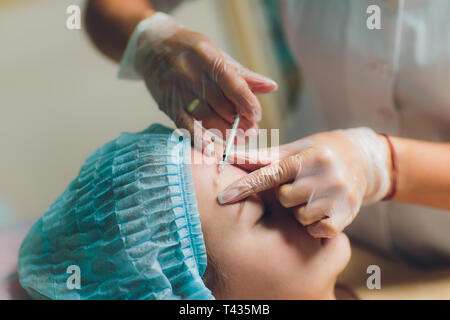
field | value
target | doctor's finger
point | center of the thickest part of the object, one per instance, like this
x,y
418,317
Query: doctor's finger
x,y
180,105
207,90
208,118
337,219
230,81
199,139
297,193
311,212
215,98
251,160
324,228
262,179
257,82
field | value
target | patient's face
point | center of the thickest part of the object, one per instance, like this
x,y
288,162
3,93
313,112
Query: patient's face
x,y
259,248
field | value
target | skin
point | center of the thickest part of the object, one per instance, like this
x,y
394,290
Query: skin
x,y
259,249
110,23
424,172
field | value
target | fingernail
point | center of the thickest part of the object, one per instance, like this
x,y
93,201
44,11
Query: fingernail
x,y
252,132
228,196
273,83
257,116
240,133
270,81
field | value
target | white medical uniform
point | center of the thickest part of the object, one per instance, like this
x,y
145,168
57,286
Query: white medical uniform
x,y
394,80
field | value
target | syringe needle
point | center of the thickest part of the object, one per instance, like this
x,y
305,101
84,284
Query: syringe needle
x,y
230,142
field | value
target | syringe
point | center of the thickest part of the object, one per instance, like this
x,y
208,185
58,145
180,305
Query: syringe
x,y
230,142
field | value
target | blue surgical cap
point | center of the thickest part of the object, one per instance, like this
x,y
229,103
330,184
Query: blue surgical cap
x,y
128,226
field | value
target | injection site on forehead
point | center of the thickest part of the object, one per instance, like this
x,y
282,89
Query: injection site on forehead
x,y
219,172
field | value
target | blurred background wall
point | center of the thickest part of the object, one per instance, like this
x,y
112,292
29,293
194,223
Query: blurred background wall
x,y
60,98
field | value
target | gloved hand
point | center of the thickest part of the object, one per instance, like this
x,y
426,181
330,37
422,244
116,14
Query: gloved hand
x,y
190,78
324,178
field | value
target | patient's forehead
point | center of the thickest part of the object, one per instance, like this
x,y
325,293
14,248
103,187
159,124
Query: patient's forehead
x,y
205,170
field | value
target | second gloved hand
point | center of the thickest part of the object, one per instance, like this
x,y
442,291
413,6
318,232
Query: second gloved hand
x,y
324,178
191,79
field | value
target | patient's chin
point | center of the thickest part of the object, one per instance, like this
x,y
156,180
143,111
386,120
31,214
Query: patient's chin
x,y
340,246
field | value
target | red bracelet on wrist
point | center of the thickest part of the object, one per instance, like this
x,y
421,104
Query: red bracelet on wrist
x,y
394,171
